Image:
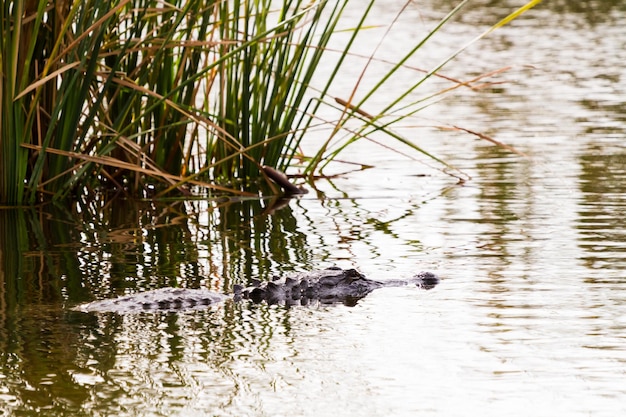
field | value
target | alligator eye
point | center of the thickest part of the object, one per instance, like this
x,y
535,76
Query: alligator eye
x,y
353,273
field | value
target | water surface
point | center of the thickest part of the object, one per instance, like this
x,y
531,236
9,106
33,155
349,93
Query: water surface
x,y
530,318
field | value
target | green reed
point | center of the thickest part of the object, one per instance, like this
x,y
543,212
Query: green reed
x,y
136,94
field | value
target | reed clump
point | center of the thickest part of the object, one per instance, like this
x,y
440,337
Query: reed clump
x,y
137,94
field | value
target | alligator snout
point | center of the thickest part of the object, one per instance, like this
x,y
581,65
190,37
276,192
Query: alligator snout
x,y
427,280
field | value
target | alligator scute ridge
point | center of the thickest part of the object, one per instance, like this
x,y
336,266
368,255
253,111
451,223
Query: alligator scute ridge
x,y
328,286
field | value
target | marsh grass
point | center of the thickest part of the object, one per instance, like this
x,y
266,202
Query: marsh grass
x,y
142,94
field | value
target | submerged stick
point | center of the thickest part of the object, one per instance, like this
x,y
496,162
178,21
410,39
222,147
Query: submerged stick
x,y
281,179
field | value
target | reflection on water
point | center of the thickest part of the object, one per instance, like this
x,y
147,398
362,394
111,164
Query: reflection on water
x,y
528,320
601,221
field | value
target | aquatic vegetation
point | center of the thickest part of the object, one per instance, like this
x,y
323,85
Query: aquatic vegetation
x,y
148,97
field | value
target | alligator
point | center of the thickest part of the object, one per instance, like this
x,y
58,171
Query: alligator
x,y
328,286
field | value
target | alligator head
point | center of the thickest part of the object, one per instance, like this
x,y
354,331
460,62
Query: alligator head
x,y
328,286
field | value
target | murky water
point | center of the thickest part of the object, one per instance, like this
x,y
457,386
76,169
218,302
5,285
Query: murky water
x,y
530,318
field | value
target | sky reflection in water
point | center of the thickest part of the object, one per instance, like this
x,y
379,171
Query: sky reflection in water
x,y
529,318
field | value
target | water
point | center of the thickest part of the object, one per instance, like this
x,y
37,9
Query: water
x,y
528,320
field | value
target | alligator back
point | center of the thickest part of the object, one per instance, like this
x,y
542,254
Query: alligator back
x,y
163,299
326,286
